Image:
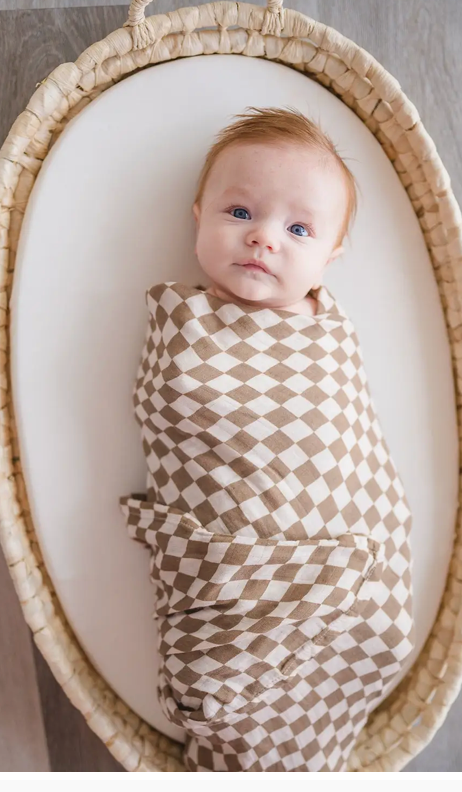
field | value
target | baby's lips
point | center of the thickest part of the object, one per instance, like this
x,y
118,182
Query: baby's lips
x,y
255,263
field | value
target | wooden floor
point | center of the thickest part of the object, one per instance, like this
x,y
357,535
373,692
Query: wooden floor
x,y
419,41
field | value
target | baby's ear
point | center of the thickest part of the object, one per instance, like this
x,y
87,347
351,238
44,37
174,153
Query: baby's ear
x,y
335,254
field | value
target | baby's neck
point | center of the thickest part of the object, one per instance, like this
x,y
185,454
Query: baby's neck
x,y
307,306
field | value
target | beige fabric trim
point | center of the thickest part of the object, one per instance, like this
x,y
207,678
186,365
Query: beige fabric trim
x,y
408,719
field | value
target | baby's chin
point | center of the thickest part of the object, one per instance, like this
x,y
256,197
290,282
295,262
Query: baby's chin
x,y
252,286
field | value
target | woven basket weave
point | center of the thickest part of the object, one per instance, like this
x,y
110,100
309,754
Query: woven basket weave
x,y
407,720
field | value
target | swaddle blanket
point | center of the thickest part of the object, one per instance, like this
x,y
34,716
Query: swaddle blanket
x,y
278,527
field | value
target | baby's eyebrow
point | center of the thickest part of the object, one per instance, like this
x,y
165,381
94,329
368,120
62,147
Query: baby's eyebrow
x,y
248,194
312,214
238,191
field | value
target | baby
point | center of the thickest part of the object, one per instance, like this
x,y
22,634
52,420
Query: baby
x,y
277,522
273,205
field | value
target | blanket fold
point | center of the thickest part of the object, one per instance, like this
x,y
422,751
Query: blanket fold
x,y
277,602
278,530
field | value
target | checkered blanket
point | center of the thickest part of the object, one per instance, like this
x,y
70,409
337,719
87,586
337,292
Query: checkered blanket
x,y
278,529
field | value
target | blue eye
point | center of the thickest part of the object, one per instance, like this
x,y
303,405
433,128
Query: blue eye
x,y
239,209
296,225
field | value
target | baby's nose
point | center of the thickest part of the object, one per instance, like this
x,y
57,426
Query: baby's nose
x,y
257,243
262,238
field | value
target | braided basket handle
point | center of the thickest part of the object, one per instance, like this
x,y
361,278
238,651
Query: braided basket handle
x,y
273,22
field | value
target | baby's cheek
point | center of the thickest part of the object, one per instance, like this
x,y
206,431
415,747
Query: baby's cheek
x,y
220,249
213,248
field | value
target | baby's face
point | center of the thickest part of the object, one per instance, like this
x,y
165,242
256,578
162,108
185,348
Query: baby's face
x,y
280,205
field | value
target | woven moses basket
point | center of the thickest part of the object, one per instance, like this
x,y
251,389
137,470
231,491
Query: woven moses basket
x,y
406,721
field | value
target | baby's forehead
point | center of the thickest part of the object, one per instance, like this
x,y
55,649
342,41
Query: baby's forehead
x,y
266,148
239,173
246,157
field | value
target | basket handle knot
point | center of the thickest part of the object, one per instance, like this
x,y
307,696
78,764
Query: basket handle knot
x,y
273,22
142,35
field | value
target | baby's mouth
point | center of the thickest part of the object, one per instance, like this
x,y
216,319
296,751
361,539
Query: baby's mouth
x,y
254,265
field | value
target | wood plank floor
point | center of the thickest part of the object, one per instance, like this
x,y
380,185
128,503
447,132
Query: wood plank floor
x,y
419,41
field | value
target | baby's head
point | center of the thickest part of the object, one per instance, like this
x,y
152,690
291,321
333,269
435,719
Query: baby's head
x,y
273,189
